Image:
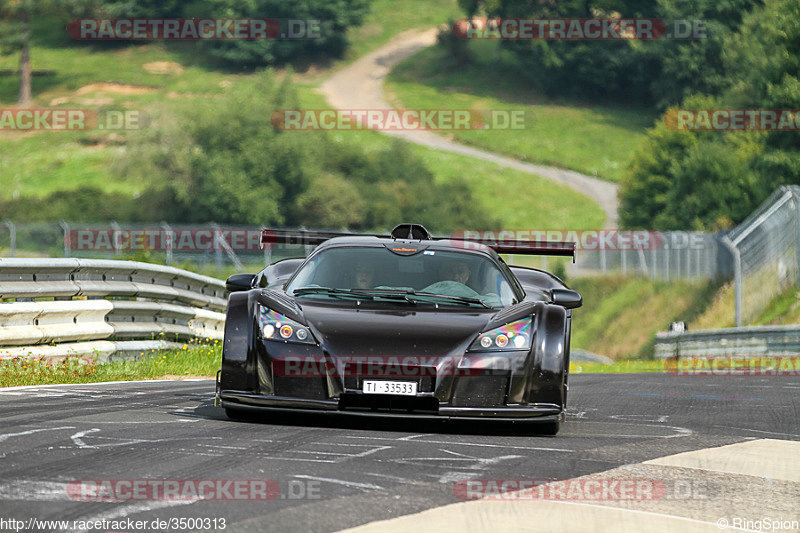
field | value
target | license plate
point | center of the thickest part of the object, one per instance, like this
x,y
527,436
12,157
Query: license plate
x,y
401,388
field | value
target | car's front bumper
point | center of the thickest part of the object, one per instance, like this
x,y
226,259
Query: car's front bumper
x,y
243,400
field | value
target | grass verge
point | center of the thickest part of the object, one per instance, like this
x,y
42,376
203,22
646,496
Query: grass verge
x,y
621,315
195,360
782,310
629,366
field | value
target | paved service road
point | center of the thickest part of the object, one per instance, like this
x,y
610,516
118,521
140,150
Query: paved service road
x,y
356,470
360,86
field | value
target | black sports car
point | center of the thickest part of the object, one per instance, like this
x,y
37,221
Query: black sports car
x,y
404,325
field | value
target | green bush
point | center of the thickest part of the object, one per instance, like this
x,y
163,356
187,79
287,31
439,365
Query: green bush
x,y
335,18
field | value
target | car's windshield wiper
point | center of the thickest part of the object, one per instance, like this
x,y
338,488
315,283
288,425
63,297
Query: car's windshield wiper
x,y
359,294
335,293
460,299
389,294
407,295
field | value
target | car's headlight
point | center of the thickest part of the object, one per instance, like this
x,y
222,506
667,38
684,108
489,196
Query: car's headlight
x,y
513,336
276,327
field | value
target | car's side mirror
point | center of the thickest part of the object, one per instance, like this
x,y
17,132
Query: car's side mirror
x,y
567,298
240,282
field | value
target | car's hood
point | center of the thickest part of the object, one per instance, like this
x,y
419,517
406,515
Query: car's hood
x,y
394,331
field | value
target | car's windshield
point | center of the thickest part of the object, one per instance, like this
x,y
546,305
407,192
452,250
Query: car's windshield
x,y
458,275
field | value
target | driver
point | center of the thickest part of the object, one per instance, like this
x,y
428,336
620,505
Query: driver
x,y
456,271
364,276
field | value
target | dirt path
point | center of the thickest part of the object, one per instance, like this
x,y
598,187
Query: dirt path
x,y
360,86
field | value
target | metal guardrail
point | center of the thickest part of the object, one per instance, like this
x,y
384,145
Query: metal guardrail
x,y
104,308
753,341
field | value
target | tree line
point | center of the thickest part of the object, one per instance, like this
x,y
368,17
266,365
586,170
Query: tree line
x,y
334,16
747,58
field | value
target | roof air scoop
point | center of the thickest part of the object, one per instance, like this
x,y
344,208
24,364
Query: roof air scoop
x,y
414,232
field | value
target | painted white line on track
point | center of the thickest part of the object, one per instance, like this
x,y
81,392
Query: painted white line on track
x,y
135,421
31,431
455,476
479,444
354,484
760,431
27,490
124,511
77,438
393,478
411,437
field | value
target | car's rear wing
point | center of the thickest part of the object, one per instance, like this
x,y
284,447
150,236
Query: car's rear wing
x,y
561,248
301,236
418,232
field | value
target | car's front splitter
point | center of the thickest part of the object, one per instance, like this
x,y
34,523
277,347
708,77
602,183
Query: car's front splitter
x,y
253,402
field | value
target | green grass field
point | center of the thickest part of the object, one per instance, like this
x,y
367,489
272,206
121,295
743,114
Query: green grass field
x,y
621,315
387,18
518,199
588,137
100,79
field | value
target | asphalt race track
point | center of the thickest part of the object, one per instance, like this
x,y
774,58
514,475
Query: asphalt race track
x,y
335,473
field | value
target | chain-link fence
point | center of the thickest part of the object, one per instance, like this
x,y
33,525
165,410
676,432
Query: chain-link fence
x,y
202,244
762,253
666,255
766,253
658,255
